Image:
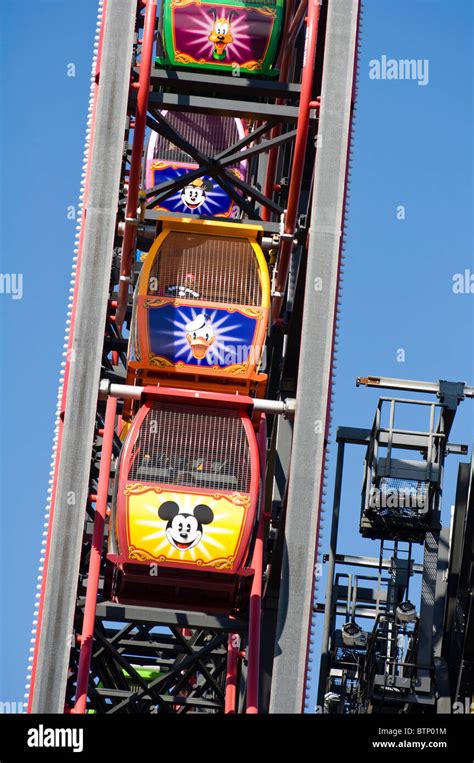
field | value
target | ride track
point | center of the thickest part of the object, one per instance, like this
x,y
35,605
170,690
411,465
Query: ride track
x,y
94,654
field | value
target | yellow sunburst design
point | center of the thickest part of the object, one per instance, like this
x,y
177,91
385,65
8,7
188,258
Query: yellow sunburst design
x,y
220,540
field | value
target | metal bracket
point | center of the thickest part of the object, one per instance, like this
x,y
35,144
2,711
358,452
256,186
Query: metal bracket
x,y
450,394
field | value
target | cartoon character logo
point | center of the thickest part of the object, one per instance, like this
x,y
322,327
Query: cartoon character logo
x,y
184,531
220,36
194,194
200,336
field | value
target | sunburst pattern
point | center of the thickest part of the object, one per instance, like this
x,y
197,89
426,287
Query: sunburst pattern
x,y
216,202
147,530
233,333
202,28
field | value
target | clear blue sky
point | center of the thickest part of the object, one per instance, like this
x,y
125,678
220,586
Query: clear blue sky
x,y
413,147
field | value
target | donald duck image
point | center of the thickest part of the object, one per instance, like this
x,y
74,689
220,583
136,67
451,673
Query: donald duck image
x,y
200,336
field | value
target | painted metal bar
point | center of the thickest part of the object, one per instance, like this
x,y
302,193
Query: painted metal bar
x,y
128,392
329,605
223,177
288,693
289,33
243,109
372,562
286,55
255,607
296,22
297,165
130,232
253,676
233,644
235,87
169,618
87,636
385,382
249,138
441,590
72,487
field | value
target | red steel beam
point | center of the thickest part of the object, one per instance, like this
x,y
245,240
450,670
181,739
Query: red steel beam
x,y
302,129
283,77
130,229
233,647
93,574
255,609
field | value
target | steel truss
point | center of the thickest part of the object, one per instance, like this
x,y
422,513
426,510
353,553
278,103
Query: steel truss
x,y
398,664
191,661
458,630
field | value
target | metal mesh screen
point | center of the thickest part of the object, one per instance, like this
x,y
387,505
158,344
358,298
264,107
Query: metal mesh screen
x,y
192,447
209,134
403,497
206,268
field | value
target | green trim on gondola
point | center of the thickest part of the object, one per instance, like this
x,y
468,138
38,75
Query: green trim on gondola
x,y
221,36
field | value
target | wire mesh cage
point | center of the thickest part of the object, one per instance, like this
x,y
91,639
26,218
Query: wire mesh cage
x,y
400,495
207,133
206,268
401,499
192,448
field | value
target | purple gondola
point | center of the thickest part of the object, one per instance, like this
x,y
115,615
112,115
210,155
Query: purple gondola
x,y
165,161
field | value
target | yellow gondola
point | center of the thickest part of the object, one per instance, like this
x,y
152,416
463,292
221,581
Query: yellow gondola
x,y
201,307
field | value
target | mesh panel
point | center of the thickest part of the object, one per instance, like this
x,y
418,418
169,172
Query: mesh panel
x,y
209,134
403,486
192,448
206,268
410,495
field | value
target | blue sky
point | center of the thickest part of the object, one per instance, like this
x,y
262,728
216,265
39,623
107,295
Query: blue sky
x,y
413,147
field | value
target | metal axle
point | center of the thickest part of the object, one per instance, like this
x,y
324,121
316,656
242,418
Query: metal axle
x,y
385,382
129,392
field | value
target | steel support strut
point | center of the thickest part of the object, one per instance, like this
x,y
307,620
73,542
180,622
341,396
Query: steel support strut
x,y
53,642
231,673
314,372
297,166
255,608
129,237
95,558
286,55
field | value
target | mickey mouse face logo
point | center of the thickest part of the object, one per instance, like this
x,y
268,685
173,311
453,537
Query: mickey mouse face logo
x,y
184,531
194,194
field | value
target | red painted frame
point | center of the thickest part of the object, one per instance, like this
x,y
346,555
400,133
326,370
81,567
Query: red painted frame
x,y
143,87
233,644
93,575
255,608
297,165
